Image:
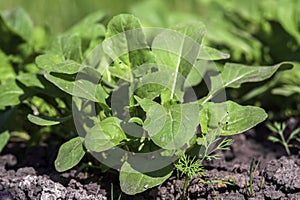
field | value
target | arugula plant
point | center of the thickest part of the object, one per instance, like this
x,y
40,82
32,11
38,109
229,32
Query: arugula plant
x,y
152,99
25,92
128,97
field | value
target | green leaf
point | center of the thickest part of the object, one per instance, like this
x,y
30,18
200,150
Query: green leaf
x,y
6,69
63,56
198,71
69,154
209,53
293,135
46,121
38,83
4,137
179,49
62,81
30,80
39,38
121,71
125,42
133,182
233,75
19,22
10,93
136,120
287,82
229,117
152,84
170,127
275,128
89,27
104,135
274,139
56,63
68,46
85,87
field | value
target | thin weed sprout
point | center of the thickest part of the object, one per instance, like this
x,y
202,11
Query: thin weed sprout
x,y
249,187
112,192
279,129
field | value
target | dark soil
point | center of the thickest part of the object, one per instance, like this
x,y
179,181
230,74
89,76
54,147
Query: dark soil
x,y
28,173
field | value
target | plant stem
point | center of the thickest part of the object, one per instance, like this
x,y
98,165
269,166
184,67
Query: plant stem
x,y
185,187
284,143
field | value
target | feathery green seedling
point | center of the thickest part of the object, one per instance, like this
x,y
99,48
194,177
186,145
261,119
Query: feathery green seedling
x,y
189,167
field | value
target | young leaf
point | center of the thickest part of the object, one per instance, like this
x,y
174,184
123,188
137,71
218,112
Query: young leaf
x,y
179,49
19,22
274,139
287,83
136,120
172,127
69,154
46,121
209,53
63,56
55,63
229,117
152,84
126,43
30,80
4,137
233,75
197,72
84,88
104,135
133,182
293,135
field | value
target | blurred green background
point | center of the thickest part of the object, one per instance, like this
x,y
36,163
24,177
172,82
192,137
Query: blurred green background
x,y
60,15
253,32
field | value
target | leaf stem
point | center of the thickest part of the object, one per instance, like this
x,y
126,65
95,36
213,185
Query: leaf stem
x,y
176,72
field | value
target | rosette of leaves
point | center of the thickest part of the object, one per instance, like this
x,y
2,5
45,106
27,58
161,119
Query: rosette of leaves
x,y
151,72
